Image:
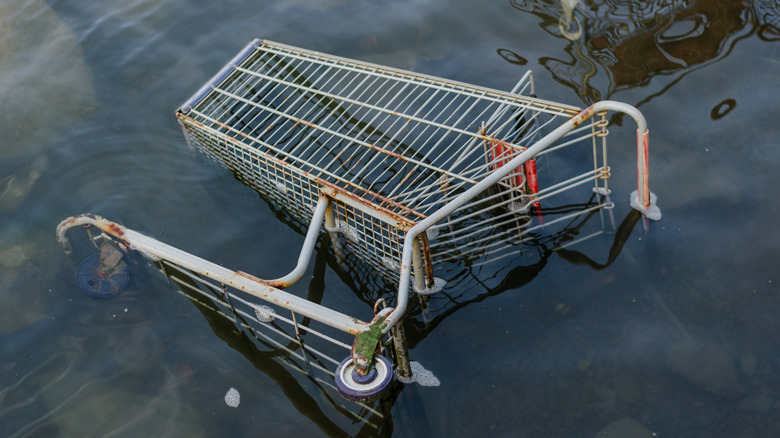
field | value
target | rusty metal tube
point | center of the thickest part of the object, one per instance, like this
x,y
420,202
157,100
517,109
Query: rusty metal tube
x,y
401,350
110,228
493,178
330,218
417,263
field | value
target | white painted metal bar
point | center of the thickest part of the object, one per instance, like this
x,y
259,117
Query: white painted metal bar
x,y
308,246
251,286
157,250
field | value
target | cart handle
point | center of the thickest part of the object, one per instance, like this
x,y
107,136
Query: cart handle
x,y
644,200
156,250
118,233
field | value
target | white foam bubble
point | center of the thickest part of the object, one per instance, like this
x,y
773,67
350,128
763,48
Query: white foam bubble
x,y
232,398
419,375
652,211
264,313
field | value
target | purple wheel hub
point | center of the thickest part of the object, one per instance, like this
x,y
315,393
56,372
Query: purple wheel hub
x,y
364,380
355,387
96,286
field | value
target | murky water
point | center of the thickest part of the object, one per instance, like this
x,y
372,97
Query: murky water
x,y
675,335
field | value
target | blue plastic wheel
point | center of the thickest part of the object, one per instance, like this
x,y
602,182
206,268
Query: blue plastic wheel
x,y
90,281
364,388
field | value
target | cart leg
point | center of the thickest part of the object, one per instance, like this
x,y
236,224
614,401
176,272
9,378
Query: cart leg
x,y
417,265
330,219
333,231
401,351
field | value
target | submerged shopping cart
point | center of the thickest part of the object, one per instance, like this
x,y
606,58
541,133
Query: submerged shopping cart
x,y
405,172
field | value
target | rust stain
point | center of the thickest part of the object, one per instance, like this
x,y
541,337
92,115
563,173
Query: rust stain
x,y
116,230
112,229
582,116
309,124
275,284
248,276
428,263
404,221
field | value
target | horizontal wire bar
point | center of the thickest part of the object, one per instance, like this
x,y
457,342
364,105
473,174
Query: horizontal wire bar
x,y
308,329
430,81
346,137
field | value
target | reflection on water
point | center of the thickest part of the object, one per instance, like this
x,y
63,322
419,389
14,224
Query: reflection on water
x,y
670,330
626,44
300,380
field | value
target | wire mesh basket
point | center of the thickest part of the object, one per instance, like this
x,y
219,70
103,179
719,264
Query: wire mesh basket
x,y
388,146
407,172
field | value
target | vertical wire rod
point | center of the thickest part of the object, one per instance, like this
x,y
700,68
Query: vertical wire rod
x,y
298,335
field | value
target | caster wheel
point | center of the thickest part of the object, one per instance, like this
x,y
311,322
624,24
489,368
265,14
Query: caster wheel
x,y
90,281
357,388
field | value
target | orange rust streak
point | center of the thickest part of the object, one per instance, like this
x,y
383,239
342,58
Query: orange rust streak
x,y
408,175
249,276
115,230
276,284
582,116
341,152
309,124
357,163
385,201
391,153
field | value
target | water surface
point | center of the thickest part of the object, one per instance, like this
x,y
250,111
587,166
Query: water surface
x,y
675,335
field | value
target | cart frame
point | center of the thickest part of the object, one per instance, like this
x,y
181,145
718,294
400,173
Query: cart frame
x,y
414,270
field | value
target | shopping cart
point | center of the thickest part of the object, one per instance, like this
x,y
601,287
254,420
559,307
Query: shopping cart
x,y
406,172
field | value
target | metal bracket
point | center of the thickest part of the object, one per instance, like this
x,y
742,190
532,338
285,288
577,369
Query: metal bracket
x,y
366,345
110,256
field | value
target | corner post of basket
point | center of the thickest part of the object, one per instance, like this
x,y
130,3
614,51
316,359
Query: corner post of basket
x,y
220,75
641,199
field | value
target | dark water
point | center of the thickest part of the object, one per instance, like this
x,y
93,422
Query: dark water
x,y
675,336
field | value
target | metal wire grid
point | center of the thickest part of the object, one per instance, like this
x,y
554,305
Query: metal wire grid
x,y
314,352
396,145
375,240
498,223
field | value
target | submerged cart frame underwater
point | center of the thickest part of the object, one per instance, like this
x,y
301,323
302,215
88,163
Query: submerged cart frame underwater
x,y
407,173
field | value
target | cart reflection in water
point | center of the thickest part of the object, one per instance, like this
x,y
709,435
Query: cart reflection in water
x,y
294,357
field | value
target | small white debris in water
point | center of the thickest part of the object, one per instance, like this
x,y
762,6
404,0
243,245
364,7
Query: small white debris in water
x,y
419,375
232,398
265,313
125,309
